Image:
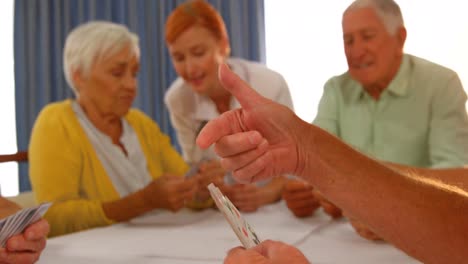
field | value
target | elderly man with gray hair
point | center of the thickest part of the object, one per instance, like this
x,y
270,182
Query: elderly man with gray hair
x,y
392,106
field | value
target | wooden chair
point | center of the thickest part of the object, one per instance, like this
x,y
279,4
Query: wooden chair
x,y
24,199
20,156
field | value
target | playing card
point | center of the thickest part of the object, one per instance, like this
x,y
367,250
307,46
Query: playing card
x,y
239,225
41,210
16,223
11,223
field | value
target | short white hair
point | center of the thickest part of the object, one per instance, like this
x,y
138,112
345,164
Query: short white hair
x,y
92,41
388,10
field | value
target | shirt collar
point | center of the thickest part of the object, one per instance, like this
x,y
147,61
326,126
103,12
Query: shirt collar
x,y
399,85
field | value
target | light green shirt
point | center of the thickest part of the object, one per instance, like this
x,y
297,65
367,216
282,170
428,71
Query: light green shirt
x,y
419,120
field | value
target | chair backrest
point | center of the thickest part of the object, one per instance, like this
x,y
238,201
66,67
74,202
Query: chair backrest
x,y
20,156
24,199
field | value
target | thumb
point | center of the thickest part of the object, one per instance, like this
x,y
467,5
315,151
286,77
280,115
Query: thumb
x,y
229,122
246,96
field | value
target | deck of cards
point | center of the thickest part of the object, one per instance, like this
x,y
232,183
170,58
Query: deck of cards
x,y
16,223
244,232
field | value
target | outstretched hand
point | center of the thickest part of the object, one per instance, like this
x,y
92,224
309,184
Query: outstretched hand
x,y
257,141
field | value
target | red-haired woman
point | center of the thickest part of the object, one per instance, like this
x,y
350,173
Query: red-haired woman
x,y
198,43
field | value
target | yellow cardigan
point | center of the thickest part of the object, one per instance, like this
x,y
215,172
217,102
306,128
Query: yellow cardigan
x,y
64,168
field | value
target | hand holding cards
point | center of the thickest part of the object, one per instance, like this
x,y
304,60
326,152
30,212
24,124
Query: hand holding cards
x,y
242,229
16,223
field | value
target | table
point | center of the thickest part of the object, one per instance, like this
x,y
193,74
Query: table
x,y
189,237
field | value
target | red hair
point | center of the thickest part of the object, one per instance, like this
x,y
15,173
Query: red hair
x,y
195,12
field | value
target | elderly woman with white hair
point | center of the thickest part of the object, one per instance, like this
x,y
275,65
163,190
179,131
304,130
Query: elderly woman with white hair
x,y
97,159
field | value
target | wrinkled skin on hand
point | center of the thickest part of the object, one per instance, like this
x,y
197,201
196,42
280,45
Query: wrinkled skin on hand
x,y
250,143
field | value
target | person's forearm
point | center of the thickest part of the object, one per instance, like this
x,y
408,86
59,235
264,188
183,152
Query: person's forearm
x,y
272,191
424,218
126,208
453,176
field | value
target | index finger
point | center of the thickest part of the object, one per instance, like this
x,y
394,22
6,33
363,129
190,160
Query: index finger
x,y
217,128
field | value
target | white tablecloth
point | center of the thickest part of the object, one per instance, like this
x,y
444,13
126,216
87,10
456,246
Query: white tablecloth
x,y
205,237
